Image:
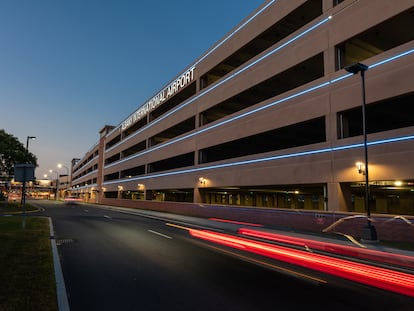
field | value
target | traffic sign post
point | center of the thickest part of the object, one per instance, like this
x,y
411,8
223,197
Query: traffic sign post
x,y
24,173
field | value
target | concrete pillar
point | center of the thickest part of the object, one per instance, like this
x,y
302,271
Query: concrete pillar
x,y
148,194
197,197
339,197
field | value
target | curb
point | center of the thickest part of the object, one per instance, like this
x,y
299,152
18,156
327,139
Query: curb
x,y
62,299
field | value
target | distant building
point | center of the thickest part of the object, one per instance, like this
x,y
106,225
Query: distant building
x,y
269,117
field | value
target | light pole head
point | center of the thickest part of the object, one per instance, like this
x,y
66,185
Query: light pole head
x,y
60,165
355,68
27,146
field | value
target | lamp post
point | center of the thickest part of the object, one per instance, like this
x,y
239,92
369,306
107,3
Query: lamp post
x,y
26,159
369,232
57,183
67,174
50,184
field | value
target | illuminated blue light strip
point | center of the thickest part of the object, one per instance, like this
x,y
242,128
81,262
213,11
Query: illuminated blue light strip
x,y
392,58
257,109
390,140
272,158
238,72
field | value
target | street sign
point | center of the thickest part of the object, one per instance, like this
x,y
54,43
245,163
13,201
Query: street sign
x,y
24,172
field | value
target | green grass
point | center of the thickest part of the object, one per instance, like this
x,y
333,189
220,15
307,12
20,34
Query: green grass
x,y
13,207
27,280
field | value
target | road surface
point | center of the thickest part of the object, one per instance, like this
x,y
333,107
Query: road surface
x,y
118,261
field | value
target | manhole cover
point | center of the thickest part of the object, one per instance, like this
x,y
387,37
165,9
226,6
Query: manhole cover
x,y
64,241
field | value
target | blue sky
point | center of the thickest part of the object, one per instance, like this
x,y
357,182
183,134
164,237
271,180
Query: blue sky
x,y
69,67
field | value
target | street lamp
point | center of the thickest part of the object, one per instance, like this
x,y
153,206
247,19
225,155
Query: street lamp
x,y
57,183
26,159
369,232
67,174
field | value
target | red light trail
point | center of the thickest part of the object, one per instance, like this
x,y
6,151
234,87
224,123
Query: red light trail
x,y
398,282
362,253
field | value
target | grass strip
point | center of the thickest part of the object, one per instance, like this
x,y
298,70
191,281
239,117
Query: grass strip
x,y
27,280
13,207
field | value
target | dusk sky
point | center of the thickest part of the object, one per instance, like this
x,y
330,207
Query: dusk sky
x,y
69,67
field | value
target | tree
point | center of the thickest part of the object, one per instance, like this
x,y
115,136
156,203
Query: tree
x,y
12,151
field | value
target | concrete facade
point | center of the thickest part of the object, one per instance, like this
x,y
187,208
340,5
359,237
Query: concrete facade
x,y
269,117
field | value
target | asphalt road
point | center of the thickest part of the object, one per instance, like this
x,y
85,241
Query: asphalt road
x,y
118,261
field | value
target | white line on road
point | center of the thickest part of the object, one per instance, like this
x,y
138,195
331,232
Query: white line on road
x,y
163,235
106,216
62,298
